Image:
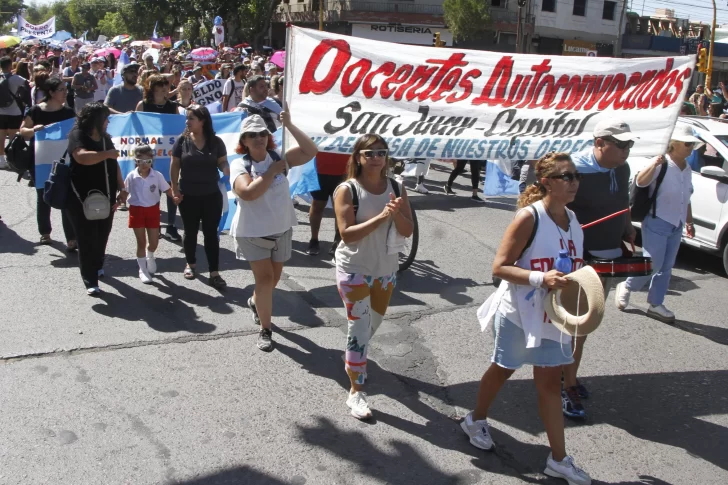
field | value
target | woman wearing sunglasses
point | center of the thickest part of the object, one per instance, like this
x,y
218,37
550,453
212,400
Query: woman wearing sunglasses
x,y
264,220
542,228
663,226
366,258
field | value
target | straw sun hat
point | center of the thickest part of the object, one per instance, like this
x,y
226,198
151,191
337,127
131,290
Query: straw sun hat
x,y
577,309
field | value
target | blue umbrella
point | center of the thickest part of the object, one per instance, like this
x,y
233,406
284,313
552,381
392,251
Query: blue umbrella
x,y
179,43
62,36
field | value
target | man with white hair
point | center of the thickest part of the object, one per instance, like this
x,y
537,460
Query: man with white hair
x,y
603,191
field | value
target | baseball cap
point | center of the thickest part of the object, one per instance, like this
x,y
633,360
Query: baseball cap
x,y
614,128
253,124
129,67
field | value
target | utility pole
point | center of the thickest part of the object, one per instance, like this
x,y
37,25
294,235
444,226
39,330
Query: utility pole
x,y
519,28
709,74
321,14
618,47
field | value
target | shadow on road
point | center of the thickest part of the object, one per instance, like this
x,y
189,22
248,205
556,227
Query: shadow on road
x,y
425,277
238,476
11,242
718,335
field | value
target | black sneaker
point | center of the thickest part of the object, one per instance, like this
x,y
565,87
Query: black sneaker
x,y
571,403
448,190
313,247
172,234
477,199
123,207
251,305
265,340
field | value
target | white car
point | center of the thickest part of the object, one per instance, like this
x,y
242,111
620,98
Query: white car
x,y
710,187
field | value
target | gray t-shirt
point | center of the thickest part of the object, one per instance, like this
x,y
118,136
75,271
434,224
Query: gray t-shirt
x,y
122,99
15,82
88,81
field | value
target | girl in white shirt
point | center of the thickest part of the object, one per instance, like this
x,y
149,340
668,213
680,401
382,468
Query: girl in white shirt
x,y
662,234
145,186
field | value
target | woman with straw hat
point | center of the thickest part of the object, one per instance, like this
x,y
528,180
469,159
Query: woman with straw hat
x,y
525,262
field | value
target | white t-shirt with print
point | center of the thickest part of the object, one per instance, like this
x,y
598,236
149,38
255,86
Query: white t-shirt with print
x,y
270,214
234,89
145,192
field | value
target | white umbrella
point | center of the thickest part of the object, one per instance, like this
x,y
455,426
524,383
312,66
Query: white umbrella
x,y
73,42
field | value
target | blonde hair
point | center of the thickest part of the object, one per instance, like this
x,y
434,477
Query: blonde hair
x,y
545,167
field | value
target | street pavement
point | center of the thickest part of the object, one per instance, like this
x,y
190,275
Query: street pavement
x,y
163,384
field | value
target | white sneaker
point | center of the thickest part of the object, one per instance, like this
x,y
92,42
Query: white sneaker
x,y
661,313
93,291
358,404
421,189
143,271
478,432
621,296
151,265
567,470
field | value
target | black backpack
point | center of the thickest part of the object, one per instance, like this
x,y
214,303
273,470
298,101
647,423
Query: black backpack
x,y
248,162
20,155
355,196
7,98
640,200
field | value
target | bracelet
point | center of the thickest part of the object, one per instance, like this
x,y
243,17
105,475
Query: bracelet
x,y
535,278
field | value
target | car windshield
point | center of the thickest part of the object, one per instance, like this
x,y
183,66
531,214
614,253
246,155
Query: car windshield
x,y
723,139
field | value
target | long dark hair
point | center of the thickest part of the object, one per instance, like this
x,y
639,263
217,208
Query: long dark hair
x,y
22,70
154,81
93,116
48,85
353,168
202,114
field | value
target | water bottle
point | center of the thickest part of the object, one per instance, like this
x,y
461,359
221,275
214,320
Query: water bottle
x,y
563,262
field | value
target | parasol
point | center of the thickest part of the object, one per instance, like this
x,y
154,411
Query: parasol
x,y
151,52
120,39
106,51
279,59
203,54
62,36
8,41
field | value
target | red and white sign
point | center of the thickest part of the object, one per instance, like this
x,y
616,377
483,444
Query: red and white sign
x,y
452,103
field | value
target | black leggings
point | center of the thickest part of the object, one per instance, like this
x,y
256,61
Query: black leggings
x,y
171,211
91,237
460,167
43,216
208,209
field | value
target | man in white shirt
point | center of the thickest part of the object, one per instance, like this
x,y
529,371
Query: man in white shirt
x,y
102,79
232,92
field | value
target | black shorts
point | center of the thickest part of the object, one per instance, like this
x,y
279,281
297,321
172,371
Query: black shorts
x,y
10,122
328,184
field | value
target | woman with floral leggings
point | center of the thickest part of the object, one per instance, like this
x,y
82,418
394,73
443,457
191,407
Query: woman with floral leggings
x,y
366,272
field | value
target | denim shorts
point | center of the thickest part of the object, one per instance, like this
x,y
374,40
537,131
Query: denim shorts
x,y
510,350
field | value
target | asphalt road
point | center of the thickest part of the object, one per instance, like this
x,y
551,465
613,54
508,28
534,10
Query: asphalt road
x,y
163,384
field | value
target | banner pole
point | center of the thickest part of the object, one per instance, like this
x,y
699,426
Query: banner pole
x,y
287,87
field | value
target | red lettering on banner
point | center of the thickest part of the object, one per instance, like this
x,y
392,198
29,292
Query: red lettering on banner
x,y
437,79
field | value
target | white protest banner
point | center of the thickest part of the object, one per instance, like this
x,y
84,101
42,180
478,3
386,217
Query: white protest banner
x,y
42,31
208,92
477,105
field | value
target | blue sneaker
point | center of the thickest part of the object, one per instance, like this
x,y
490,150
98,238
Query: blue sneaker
x,y
571,403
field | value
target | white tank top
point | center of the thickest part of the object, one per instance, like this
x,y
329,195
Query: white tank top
x,y
523,304
368,256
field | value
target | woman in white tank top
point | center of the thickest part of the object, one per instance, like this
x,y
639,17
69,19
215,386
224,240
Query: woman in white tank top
x,y
522,334
366,273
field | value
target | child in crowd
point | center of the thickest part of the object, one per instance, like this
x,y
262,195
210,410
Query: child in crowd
x,y
145,187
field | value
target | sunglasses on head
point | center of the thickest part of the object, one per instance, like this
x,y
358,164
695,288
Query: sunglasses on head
x,y
147,161
622,145
260,134
568,176
374,153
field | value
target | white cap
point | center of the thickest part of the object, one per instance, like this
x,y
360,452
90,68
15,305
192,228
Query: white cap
x,y
253,124
614,128
686,134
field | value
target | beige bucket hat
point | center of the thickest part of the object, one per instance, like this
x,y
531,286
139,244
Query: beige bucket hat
x,y
577,309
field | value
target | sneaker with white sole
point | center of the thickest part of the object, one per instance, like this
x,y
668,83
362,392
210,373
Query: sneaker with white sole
x,y
478,432
421,189
621,296
567,470
661,313
357,402
93,291
151,263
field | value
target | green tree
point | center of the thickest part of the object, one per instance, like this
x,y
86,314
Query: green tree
x,y
112,24
255,17
466,18
10,9
86,15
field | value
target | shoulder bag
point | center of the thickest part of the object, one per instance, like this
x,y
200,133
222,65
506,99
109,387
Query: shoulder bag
x,y
55,189
96,206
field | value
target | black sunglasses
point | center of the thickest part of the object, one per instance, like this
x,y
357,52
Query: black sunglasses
x,y
260,134
689,144
568,176
622,145
374,153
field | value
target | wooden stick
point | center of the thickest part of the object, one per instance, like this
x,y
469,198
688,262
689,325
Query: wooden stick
x,y
611,216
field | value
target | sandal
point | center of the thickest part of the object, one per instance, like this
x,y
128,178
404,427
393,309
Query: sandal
x,y
46,239
71,246
189,273
217,282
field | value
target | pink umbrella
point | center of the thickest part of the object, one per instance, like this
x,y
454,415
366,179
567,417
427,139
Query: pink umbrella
x,y
203,54
279,59
106,51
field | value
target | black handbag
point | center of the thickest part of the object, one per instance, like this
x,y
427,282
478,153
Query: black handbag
x,y
640,200
55,189
20,155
